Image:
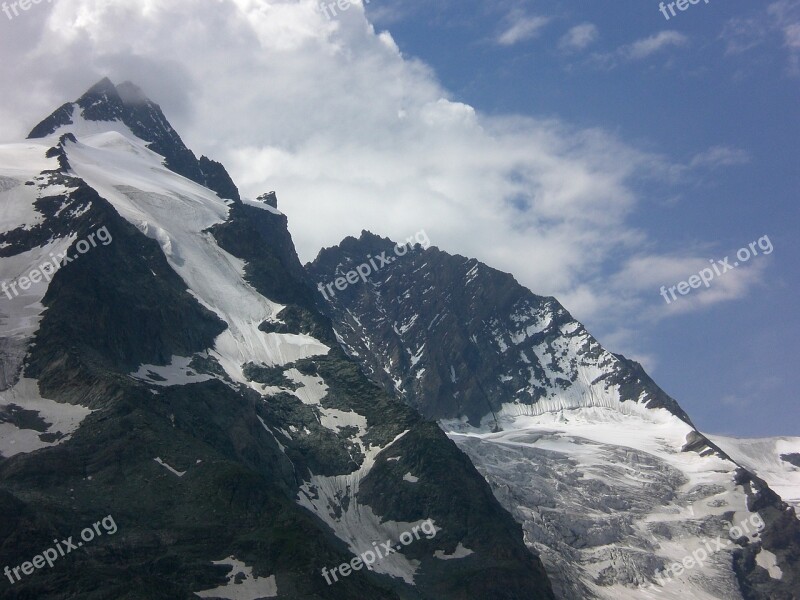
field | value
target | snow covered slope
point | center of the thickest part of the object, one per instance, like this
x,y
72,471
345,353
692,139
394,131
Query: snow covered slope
x,y
613,497
775,460
177,213
27,184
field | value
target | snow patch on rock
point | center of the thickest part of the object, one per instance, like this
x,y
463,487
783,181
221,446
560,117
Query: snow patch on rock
x,y
242,585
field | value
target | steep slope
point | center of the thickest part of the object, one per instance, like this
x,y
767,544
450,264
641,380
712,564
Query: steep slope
x,y
775,460
172,375
609,478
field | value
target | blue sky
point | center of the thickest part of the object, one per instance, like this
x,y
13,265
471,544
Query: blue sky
x,y
597,152
727,75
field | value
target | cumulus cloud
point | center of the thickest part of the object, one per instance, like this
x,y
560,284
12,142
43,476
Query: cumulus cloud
x,y
353,135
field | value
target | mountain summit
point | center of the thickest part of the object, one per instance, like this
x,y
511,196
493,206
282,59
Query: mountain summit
x,y
126,104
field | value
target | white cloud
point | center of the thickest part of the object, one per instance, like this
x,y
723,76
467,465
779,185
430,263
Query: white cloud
x,y
641,49
521,27
743,34
792,34
353,135
579,37
778,20
720,156
737,402
648,46
640,281
786,19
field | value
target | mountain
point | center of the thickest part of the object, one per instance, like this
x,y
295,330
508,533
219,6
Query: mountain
x,y
613,485
170,386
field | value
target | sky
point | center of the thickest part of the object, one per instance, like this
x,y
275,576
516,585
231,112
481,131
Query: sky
x,y
596,152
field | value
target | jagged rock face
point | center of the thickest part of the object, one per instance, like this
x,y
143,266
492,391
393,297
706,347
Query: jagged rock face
x,y
182,379
456,338
270,198
793,458
608,477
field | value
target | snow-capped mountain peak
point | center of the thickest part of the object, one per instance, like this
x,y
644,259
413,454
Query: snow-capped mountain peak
x,y
125,108
164,361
